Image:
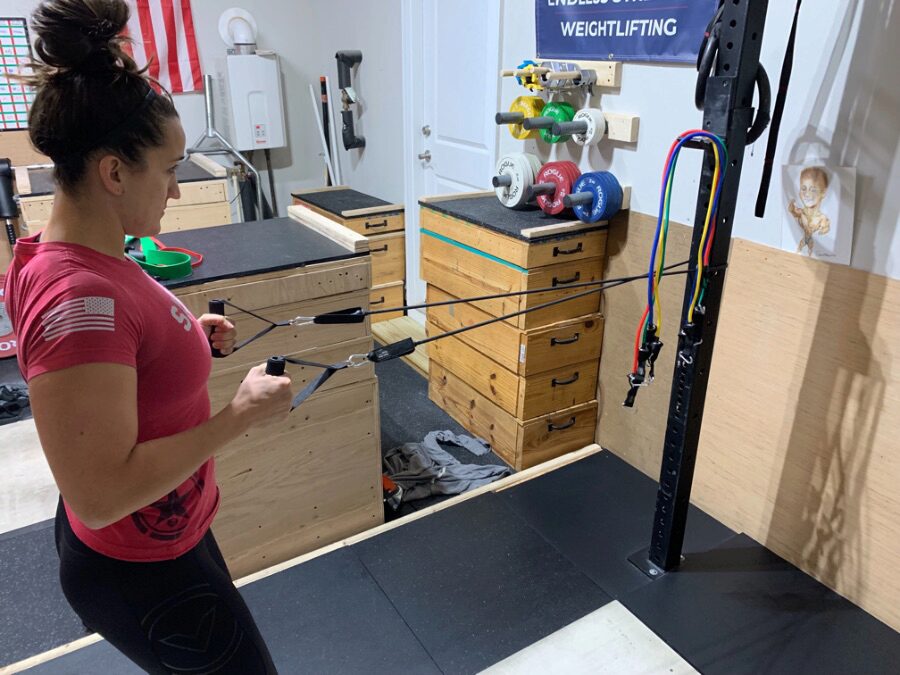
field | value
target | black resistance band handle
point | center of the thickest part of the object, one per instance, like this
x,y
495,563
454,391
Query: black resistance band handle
x,y
216,307
351,315
393,351
275,365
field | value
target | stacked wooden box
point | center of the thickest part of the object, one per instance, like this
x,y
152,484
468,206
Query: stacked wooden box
x,y
382,223
527,384
203,203
315,478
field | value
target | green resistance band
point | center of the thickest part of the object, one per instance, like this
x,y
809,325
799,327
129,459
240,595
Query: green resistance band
x,y
162,264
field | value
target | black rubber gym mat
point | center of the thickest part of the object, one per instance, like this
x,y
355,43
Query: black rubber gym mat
x,y
338,201
325,616
742,609
30,598
488,212
242,249
34,615
476,584
42,179
598,512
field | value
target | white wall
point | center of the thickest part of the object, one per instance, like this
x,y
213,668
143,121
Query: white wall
x,y
843,106
306,34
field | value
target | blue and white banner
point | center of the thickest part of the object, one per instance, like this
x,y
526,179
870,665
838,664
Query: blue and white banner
x,y
622,30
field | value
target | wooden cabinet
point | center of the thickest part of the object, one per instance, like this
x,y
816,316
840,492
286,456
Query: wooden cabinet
x,y
315,478
203,203
382,223
528,383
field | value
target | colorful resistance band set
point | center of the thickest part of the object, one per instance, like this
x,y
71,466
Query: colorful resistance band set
x,y
647,342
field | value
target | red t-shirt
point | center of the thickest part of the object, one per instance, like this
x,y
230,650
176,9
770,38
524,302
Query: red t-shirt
x,y
71,305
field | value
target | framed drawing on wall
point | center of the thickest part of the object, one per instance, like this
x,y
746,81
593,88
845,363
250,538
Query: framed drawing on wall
x,y
819,203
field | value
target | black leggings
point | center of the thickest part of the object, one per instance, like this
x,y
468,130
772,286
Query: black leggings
x,y
174,616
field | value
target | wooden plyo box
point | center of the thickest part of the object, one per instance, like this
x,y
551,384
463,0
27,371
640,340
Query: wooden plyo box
x,y
523,397
527,383
523,353
203,202
464,272
382,223
520,443
290,488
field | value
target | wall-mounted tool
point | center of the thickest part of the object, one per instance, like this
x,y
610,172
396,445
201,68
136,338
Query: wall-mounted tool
x,y
8,208
345,61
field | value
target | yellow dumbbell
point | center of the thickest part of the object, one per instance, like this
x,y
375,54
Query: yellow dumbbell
x,y
522,108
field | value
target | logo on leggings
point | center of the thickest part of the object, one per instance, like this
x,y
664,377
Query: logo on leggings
x,y
194,631
168,518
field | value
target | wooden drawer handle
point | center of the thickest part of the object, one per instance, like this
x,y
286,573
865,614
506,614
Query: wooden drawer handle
x,y
562,383
379,250
377,302
568,341
563,282
383,223
557,251
553,427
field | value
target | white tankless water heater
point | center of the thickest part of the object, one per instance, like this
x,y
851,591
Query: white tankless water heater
x,y
249,87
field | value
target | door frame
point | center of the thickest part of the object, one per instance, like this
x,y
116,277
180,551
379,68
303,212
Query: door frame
x,y
413,50
413,103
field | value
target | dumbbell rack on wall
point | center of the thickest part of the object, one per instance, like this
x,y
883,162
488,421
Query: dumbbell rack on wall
x,y
527,384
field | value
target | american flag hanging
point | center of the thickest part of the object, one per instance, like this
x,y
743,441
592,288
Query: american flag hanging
x,y
163,35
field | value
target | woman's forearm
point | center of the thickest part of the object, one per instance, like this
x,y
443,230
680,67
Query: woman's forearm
x,y
155,468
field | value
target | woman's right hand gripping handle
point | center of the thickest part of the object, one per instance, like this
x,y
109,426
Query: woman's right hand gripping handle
x,y
263,398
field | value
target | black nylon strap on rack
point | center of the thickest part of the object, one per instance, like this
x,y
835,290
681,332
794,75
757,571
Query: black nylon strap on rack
x,y
769,161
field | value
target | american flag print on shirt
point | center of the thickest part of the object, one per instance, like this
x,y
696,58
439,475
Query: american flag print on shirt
x,y
79,314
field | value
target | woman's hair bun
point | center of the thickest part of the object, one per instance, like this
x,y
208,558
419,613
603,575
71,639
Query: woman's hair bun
x,y
81,34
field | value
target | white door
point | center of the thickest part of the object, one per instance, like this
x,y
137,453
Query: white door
x,y
451,91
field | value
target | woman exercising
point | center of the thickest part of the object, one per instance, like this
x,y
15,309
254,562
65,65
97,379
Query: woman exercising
x,y
117,367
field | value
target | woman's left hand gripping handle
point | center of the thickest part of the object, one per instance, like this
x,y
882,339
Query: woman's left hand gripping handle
x,y
216,307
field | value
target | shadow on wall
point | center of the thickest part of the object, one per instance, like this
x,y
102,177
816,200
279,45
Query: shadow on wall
x,y
820,496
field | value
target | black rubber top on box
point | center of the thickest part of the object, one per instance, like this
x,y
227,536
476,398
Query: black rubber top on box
x,y
338,201
489,213
242,249
42,179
